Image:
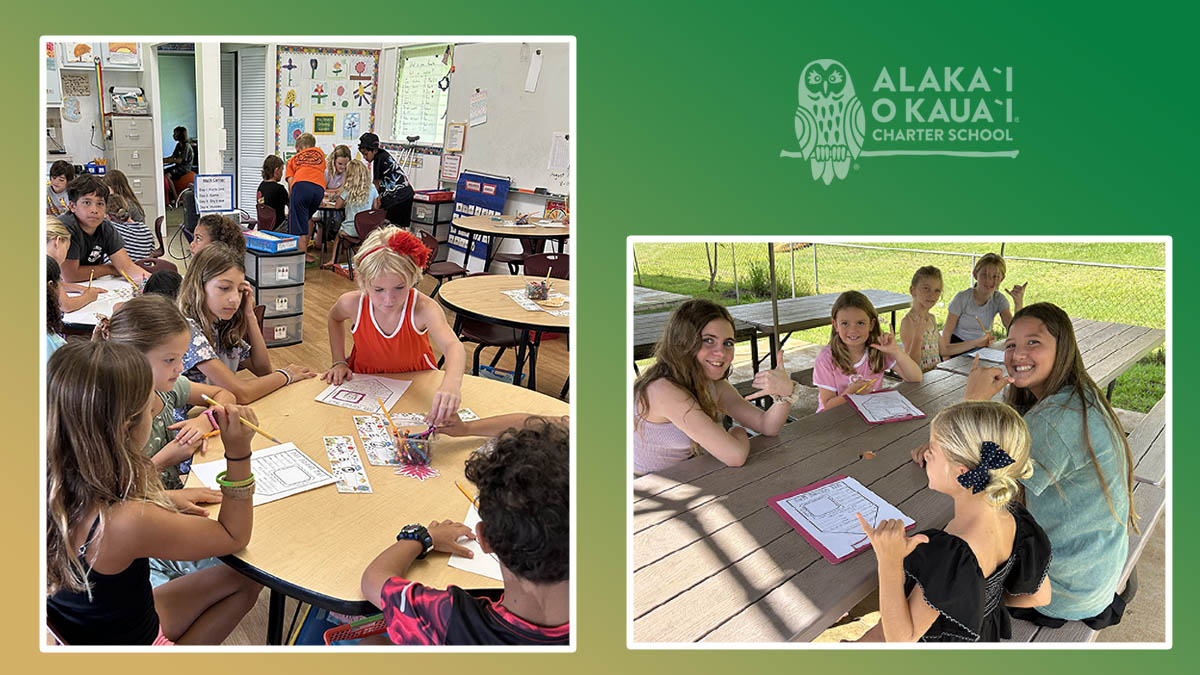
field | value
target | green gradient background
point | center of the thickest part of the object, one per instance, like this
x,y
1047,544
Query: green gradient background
x,y
676,109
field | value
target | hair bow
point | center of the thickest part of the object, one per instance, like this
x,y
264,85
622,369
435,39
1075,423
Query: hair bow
x,y
991,456
406,245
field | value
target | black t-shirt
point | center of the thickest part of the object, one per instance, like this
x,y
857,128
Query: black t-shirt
x,y
393,184
274,195
90,249
184,159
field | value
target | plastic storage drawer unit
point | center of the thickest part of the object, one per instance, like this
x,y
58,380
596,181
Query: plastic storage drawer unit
x,y
265,270
431,213
282,330
281,301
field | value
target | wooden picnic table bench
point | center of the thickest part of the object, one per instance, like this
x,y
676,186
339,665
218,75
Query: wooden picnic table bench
x,y
1148,442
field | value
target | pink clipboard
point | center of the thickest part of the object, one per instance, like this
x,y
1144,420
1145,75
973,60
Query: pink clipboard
x,y
887,421
773,502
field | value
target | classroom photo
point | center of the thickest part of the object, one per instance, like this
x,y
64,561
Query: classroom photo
x,y
943,440
308,343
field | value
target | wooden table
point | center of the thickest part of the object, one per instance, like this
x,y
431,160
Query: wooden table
x,y
482,298
486,227
315,545
713,563
1108,349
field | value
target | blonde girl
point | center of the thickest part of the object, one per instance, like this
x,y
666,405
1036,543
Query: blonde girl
x,y
58,240
971,313
858,353
335,173
918,329
219,306
1081,490
682,399
118,184
357,194
393,323
955,585
107,513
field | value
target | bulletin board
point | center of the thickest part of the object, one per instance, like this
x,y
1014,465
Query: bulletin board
x,y
313,84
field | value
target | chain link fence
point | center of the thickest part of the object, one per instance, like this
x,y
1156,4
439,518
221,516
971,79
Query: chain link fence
x,y
1123,282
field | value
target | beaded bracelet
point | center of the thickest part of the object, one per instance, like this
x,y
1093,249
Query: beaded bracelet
x,y
233,483
287,378
240,492
791,398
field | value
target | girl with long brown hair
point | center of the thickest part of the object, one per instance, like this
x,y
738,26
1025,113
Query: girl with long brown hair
x,y
107,512
681,399
218,303
1081,490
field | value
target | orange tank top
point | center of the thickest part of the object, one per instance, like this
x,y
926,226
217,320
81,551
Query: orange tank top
x,y
405,350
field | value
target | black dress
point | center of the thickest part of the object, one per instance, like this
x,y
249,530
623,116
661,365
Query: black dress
x,y
971,608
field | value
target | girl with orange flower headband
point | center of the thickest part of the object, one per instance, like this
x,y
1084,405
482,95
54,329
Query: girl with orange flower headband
x,y
393,323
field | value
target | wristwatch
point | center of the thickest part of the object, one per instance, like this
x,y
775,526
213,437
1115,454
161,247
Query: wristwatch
x,y
417,532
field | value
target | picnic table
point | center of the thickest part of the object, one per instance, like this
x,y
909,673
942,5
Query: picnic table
x,y
751,319
1108,349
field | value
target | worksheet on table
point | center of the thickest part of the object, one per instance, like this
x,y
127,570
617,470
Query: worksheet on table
x,y
279,471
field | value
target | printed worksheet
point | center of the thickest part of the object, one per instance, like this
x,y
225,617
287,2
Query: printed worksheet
x,y
279,471
364,392
119,291
885,406
825,515
989,354
377,440
485,564
518,296
346,465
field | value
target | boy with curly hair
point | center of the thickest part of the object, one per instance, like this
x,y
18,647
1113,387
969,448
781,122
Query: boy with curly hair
x,y
524,489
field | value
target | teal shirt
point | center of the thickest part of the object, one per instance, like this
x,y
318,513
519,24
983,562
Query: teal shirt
x,y
53,342
1089,543
160,435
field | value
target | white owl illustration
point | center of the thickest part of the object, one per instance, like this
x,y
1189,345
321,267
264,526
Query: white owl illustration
x,y
830,123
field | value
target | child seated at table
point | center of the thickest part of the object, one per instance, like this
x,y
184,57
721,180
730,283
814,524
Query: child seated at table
x,y
58,241
217,228
93,237
61,173
524,495
218,303
393,322
858,353
357,194
918,330
956,584
971,313
682,398
54,314
139,242
107,512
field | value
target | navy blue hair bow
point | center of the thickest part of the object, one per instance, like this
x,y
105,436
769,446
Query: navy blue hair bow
x,y
991,456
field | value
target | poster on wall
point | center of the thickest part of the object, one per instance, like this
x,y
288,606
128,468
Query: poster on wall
x,y
125,55
76,84
331,89
77,54
53,84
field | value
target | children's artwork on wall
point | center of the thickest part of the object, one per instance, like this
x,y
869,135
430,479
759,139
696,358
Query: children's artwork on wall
x,y
78,54
71,112
295,127
122,55
324,124
323,84
350,126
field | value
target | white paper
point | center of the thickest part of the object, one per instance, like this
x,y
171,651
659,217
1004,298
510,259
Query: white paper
x,y
884,405
451,165
456,135
828,513
377,440
279,471
535,69
118,289
485,564
560,153
989,354
479,107
362,393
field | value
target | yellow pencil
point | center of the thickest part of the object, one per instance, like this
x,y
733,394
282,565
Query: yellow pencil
x,y
466,494
389,419
91,275
247,422
210,434
135,286
980,324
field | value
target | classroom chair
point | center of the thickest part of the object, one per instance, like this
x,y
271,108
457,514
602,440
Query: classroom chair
x,y
153,265
364,223
160,229
487,334
557,264
266,217
515,260
439,270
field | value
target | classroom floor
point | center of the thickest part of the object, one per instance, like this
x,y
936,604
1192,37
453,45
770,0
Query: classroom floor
x,y
321,290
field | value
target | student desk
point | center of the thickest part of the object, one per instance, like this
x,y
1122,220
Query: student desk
x,y
713,563
485,226
1108,349
84,318
315,545
482,298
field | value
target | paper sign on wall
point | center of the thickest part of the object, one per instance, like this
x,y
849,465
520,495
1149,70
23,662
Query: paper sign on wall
x,y
451,164
214,192
456,135
478,107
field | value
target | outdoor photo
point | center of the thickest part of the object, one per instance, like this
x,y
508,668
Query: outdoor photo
x,y
896,441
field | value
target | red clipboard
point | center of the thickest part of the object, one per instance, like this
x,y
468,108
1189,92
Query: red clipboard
x,y
773,502
887,421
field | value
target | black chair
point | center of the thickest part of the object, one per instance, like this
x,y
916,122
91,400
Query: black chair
x,y
439,270
365,222
557,264
487,334
153,265
514,260
159,236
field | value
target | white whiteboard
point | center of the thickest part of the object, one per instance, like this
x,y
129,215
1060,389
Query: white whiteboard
x,y
517,137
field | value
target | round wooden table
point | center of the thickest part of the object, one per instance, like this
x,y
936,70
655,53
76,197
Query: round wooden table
x,y
482,298
315,545
496,230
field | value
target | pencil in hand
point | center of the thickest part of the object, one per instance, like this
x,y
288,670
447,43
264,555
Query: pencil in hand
x,y
245,421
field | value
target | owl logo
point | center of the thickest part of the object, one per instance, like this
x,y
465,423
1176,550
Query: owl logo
x,y
830,123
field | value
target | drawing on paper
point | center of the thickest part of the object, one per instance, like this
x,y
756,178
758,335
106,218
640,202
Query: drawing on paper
x,y
290,101
289,67
360,70
884,406
295,129
313,63
364,393
418,471
832,508
377,440
350,126
318,93
337,69
282,472
346,465
364,94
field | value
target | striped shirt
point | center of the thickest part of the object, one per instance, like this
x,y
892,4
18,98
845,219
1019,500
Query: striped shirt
x,y
139,242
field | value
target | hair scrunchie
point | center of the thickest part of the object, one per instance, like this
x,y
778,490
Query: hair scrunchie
x,y
406,245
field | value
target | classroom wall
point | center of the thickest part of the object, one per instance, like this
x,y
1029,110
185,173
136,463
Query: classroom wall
x,y
81,144
177,92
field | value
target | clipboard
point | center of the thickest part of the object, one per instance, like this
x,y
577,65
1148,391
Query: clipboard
x,y
802,529
919,414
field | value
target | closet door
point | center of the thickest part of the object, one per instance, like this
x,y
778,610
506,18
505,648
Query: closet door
x,y
251,123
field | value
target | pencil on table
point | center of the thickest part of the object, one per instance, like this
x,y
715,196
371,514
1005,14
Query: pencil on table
x,y
466,494
247,422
